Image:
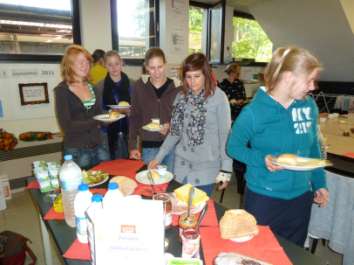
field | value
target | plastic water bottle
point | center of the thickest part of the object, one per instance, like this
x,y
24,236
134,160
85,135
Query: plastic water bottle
x,y
81,204
112,196
70,176
92,213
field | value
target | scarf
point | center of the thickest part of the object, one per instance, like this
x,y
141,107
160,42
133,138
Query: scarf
x,y
115,92
196,123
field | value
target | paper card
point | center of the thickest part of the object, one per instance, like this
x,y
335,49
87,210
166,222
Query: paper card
x,y
131,234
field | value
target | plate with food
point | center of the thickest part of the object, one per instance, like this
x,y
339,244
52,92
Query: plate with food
x,y
226,258
298,163
153,126
180,198
126,185
94,178
109,117
122,105
142,177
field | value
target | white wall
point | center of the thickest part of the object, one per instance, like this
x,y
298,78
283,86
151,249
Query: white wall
x,y
317,25
95,20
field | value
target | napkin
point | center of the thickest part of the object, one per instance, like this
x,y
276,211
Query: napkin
x,y
263,246
33,185
78,250
120,167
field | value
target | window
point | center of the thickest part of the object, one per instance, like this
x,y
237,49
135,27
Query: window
x,y
250,41
134,27
35,27
197,29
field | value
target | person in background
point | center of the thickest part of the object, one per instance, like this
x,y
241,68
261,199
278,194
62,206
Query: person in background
x,y
234,89
151,99
76,103
281,118
200,126
98,71
116,88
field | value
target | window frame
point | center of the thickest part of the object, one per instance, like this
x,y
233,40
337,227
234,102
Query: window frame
x,y
242,14
154,30
209,8
48,58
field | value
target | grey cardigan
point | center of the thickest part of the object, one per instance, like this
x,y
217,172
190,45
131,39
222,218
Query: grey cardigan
x,y
209,158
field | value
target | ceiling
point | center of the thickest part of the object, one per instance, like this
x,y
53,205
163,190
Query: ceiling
x,y
240,5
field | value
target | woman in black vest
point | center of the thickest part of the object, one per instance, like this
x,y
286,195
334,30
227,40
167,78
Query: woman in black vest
x,y
115,88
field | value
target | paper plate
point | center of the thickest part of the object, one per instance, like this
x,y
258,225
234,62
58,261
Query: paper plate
x,y
304,164
242,238
179,207
142,178
117,107
147,128
106,119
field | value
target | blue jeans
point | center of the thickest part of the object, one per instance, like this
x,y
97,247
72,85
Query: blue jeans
x,y
87,158
149,154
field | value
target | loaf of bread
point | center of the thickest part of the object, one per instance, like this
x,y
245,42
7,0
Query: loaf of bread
x,y
237,223
123,104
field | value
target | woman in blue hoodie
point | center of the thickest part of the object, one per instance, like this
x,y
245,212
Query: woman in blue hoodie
x,y
281,118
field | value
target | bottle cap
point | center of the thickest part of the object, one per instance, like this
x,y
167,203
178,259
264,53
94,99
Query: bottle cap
x,y
83,187
113,186
68,157
97,198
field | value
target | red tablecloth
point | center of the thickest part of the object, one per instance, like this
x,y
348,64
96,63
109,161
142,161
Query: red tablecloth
x,y
264,246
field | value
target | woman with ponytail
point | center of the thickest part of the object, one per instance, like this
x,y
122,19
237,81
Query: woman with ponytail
x,y
281,118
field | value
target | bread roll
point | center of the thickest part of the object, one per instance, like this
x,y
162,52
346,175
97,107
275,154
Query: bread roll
x,y
237,223
123,104
289,159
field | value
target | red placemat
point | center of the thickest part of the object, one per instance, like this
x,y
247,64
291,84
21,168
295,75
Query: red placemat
x,y
120,167
53,215
146,190
33,185
210,218
349,154
78,250
264,246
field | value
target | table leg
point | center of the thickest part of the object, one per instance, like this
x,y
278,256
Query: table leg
x,y
46,243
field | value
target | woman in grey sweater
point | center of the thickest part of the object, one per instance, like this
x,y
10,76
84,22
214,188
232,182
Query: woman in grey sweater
x,y
200,126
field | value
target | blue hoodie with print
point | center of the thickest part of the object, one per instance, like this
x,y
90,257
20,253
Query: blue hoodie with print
x,y
265,127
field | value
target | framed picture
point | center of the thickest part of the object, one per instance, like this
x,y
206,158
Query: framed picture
x,y
33,93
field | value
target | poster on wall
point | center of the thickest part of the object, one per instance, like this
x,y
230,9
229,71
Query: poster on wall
x,y
33,93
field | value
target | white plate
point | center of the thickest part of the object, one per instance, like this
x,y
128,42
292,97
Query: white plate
x,y
179,208
117,107
98,183
147,128
105,118
304,164
142,178
242,238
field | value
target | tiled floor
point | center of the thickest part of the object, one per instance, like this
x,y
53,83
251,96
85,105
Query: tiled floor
x,y
21,216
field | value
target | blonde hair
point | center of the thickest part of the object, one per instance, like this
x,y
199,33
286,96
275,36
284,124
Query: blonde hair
x,y
66,65
111,54
289,59
233,68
